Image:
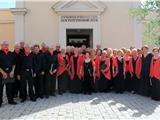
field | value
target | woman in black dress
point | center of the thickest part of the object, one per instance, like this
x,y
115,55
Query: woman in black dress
x,y
105,75
88,70
62,71
135,70
128,82
145,85
118,72
75,82
155,75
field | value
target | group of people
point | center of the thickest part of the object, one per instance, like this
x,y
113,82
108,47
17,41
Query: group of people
x,y
49,70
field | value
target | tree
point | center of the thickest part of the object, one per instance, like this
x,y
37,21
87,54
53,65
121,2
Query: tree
x,y
149,15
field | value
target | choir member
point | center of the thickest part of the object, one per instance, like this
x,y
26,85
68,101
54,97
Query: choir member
x,y
39,71
75,82
7,67
88,71
51,62
105,75
110,55
26,74
62,72
128,61
118,68
43,48
155,75
145,79
135,70
16,85
97,69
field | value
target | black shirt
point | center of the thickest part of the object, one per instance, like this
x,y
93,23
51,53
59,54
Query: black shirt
x,y
39,63
6,61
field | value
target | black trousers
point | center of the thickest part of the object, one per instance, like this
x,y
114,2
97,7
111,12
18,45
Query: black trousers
x,y
26,78
16,87
39,85
8,91
50,84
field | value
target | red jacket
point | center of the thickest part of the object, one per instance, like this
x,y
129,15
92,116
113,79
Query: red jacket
x,y
154,69
61,62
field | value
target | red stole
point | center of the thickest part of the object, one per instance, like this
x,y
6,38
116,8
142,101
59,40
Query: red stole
x,y
107,72
61,62
115,67
97,66
80,66
72,72
154,68
138,67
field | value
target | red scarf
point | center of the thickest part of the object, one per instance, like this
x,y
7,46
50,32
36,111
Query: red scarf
x,y
6,51
27,53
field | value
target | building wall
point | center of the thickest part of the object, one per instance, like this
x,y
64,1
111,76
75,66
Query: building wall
x,y
7,27
41,24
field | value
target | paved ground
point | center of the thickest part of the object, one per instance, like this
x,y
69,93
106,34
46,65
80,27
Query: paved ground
x,y
97,106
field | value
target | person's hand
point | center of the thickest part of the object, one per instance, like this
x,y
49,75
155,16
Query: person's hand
x,y
11,74
4,75
18,77
42,73
51,72
34,75
55,71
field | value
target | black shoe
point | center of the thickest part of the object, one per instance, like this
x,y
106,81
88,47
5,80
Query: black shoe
x,y
53,94
12,103
33,99
47,96
41,96
60,93
23,100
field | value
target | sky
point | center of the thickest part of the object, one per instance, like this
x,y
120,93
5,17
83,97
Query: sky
x,y
12,4
7,4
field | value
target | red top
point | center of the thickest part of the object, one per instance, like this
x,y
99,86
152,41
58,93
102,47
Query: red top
x,y
154,69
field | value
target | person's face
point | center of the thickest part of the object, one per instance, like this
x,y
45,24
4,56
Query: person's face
x,y
156,52
119,54
103,55
87,55
27,49
145,50
114,52
58,47
98,52
22,44
62,51
17,48
4,46
36,49
134,53
51,49
76,51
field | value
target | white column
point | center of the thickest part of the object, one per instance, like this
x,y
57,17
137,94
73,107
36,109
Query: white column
x,y
138,29
19,13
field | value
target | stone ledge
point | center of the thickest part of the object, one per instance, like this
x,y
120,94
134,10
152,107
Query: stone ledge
x,y
19,11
